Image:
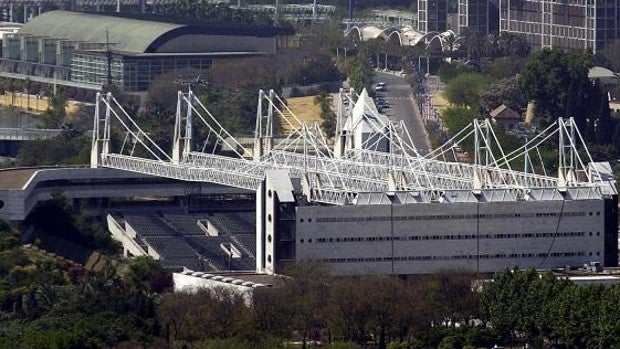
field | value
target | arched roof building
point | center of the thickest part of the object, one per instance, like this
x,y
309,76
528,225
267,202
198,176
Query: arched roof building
x,y
406,36
72,47
126,35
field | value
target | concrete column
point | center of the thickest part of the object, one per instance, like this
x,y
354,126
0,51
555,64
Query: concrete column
x,y
260,227
269,235
257,152
339,150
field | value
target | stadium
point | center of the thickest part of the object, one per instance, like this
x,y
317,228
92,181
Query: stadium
x,y
365,203
370,203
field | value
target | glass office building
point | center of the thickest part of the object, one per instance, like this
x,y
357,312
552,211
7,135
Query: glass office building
x,y
562,24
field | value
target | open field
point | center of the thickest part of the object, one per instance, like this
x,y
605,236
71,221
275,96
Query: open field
x,y
304,108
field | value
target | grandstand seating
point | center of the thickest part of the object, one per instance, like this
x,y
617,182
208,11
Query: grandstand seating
x,y
186,224
172,249
148,225
179,241
234,222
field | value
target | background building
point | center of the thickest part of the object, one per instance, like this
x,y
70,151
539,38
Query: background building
x,y
432,15
88,50
479,16
573,25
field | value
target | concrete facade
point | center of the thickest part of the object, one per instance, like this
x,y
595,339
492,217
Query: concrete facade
x,y
87,183
425,238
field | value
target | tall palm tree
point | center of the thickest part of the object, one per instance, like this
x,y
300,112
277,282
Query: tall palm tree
x,y
492,45
376,47
450,42
474,42
511,44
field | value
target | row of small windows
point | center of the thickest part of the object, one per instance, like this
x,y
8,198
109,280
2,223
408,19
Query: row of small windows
x,y
453,237
454,257
453,217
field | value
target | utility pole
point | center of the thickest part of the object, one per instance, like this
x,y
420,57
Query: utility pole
x,y
108,53
314,12
350,14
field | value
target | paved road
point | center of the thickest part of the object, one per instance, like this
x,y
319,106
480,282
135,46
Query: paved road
x,y
403,107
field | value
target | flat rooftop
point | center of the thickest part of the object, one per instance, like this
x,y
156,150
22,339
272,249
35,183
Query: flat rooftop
x,y
15,178
269,280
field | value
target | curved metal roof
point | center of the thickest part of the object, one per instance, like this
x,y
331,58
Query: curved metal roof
x,y
125,34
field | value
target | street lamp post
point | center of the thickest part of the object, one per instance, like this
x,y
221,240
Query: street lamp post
x,y
344,49
386,61
427,58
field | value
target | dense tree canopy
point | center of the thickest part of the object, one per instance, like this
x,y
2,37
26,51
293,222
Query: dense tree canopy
x,y
465,89
206,10
47,302
542,309
611,55
360,75
558,83
504,91
69,148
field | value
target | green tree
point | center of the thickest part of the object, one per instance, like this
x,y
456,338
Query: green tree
x,y
611,54
56,217
605,124
360,75
474,43
55,114
465,89
377,48
558,83
505,91
524,302
544,80
9,238
575,315
350,310
513,45
306,291
327,114
608,320
147,274
447,72
457,118
271,315
68,148
505,67
503,300
616,137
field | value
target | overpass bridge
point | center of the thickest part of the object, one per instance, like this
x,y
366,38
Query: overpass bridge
x,y
27,134
11,138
